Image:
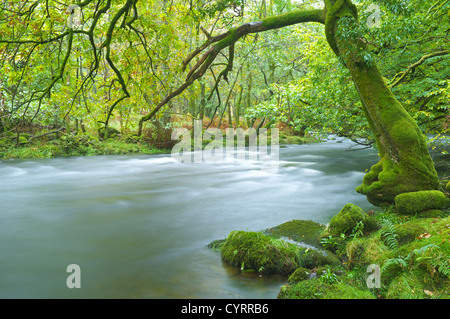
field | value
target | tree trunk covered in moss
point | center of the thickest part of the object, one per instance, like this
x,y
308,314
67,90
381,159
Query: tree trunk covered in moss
x,y
405,164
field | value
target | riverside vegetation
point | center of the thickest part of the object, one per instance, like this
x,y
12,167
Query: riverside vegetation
x,y
331,262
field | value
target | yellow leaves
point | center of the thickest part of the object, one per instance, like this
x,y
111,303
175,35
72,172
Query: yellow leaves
x,y
429,293
424,236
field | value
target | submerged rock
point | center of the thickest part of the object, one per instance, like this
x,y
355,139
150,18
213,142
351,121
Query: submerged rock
x,y
302,231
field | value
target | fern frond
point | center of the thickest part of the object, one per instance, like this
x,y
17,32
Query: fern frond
x,y
389,235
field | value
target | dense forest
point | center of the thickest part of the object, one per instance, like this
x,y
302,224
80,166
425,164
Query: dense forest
x,y
113,64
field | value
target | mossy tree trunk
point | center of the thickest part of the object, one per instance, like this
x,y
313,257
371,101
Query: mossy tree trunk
x,y
405,164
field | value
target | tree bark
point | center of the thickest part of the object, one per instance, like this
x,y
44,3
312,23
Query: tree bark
x,y
405,164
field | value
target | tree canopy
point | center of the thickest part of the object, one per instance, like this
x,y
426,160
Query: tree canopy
x,y
121,59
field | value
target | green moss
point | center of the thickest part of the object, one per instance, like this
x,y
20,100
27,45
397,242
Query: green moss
x,y
367,250
447,187
319,289
432,213
349,218
311,258
23,139
421,261
293,17
408,232
259,252
216,244
407,286
305,231
298,275
416,202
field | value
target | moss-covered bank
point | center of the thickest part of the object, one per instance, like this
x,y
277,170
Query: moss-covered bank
x,y
412,253
82,144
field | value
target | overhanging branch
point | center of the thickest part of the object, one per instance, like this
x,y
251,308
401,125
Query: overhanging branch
x,y
400,76
219,42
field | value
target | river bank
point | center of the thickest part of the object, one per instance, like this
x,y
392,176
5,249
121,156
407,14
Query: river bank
x,y
138,225
358,255
87,144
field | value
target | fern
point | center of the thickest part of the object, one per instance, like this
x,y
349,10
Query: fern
x,y
399,261
419,252
442,263
389,235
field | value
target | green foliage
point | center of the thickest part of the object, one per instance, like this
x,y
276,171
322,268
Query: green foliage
x,y
389,235
320,289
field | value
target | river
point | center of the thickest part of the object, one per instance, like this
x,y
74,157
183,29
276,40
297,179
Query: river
x,y
138,226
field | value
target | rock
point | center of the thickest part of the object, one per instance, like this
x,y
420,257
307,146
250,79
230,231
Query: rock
x,y
416,202
311,258
408,232
304,231
259,252
112,132
298,275
348,219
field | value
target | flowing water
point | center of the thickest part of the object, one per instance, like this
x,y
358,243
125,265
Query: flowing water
x,y
138,226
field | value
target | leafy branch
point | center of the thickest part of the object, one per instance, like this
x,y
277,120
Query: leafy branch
x,y
227,40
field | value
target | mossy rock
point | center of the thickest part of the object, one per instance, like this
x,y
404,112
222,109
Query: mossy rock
x,y
447,187
348,219
112,132
408,232
259,252
367,250
416,202
319,289
311,258
432,213
304,231
298,275
407,286
216,244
